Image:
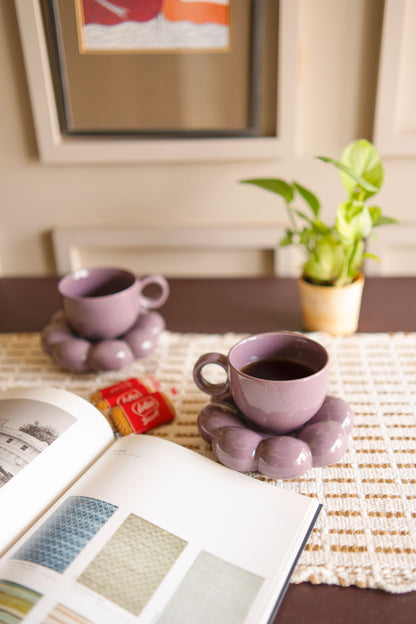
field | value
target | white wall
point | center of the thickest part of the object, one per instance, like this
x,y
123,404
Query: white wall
x,y
338,56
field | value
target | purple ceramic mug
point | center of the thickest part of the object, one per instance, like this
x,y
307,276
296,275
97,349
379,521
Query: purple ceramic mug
x,y
102,303
278,380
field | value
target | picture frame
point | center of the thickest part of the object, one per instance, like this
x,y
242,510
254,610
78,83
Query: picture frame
x,y
55,146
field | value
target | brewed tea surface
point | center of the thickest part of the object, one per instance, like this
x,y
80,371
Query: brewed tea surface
x,y
278,369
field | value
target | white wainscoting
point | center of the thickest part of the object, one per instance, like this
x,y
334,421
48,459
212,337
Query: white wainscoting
x,y
396,248
395,118
214,251
180,252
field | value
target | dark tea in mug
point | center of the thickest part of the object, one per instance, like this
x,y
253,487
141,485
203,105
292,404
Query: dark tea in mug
x,y
278,369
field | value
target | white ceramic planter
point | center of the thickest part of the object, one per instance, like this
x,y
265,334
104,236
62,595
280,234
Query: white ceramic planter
x,y
332,309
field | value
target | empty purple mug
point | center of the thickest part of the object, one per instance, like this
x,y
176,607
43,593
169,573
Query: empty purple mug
x,y
278,380
103,303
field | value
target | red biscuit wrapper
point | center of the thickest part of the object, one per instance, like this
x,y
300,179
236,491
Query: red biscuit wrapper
x,y
143,414
109,393
126,396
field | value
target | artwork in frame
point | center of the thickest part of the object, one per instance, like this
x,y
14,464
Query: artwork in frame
x,y
109,26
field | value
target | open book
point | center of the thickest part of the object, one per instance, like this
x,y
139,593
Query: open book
x,y
137,529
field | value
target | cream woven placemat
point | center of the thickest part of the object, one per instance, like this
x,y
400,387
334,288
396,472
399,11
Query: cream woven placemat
x,y
366,532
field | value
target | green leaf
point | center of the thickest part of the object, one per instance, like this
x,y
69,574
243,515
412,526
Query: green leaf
x,y
309,197
385,221
326,262
347,173
371,256
363,159
320,227
279,187
353,221
379,219
307,238
287,240
375,213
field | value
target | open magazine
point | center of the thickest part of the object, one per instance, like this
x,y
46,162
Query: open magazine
x,y
137,529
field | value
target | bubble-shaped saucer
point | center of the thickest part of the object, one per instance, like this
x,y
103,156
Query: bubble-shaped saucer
x,y
237,444
74,353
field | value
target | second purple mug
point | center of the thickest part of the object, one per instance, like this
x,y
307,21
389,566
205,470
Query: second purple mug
x,y
103,303
278,380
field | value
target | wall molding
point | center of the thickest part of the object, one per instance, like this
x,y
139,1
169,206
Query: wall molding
x,y
73,247
394,134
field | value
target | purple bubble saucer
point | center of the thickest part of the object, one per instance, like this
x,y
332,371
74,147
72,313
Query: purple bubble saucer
x,y
237,444
76,354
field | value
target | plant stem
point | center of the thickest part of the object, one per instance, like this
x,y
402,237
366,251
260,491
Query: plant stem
x,y
292,218
346,269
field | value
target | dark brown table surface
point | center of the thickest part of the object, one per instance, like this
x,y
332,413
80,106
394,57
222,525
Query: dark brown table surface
x,y
221,305
255,305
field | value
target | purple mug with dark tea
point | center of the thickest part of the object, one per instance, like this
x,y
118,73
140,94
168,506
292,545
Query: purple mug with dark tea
x,y
278,380
104,303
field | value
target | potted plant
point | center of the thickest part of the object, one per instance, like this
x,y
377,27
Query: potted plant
x,y
332,279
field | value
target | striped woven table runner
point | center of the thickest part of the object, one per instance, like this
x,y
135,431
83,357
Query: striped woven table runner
x,y
366,532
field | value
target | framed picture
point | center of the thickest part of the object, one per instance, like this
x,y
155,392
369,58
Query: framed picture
x,y
145,97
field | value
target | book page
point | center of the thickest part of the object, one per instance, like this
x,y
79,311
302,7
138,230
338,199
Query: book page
x,y
47,439
155,533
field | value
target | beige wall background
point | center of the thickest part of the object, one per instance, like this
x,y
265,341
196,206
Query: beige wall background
x,y
338,63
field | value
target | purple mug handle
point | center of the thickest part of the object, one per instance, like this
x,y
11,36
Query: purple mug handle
x,y
154,302
203,384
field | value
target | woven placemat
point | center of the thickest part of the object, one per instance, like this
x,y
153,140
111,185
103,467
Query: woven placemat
x,y
366,532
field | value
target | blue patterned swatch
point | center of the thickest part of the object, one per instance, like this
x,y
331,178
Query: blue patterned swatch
x,y
63,536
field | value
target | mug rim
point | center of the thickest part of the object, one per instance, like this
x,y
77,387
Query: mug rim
x,y
274,333
84,272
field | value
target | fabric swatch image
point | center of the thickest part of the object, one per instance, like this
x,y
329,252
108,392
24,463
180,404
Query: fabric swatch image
x,y
213,590
16,601
61,614
66,532
133,563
